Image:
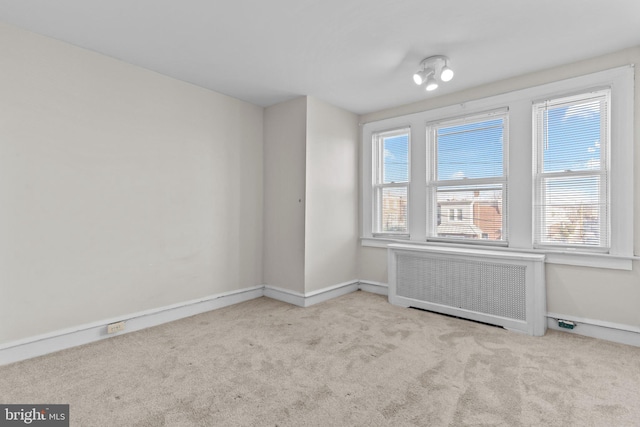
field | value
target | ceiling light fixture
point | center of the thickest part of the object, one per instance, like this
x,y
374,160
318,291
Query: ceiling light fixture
x,y
433,69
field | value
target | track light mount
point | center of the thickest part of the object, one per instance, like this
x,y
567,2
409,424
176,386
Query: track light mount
x,y
433,70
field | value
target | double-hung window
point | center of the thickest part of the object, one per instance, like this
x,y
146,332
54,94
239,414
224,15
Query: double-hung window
x,y
571,163
467,179
546,169
391,182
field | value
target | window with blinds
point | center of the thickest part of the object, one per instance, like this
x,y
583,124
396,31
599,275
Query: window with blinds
x,y
391,182
467,178
571,146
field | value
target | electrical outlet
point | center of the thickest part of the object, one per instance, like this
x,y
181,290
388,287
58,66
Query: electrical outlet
x,y
566,324
112,328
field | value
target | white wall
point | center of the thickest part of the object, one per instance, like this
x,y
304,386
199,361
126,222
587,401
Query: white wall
x,y
331,226
311,195
591,293
284,191
121,190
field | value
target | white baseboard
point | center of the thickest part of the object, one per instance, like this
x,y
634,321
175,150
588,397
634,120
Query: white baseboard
x,y
84,334
615,332
623,334
59,340
284,295
28,348
374,287
310,298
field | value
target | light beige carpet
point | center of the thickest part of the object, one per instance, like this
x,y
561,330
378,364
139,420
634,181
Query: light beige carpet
x,y
352,361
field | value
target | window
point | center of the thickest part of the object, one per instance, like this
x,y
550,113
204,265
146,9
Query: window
x,y
391,182
571,139
467,176
546,169
454,214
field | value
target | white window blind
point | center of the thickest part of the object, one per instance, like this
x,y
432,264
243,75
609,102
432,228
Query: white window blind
x,y
467,178
571,157
391,182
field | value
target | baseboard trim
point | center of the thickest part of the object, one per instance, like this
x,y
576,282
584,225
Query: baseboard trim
x,y
84,334
284,295
52,342
609,331
310,298
374,287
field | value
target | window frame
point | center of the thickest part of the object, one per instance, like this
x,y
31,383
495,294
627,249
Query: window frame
x,y
521,190
378,178
433,184
603,174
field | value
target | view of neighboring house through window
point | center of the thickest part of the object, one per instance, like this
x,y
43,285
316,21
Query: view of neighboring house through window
x,y
467,177
391,182
571,171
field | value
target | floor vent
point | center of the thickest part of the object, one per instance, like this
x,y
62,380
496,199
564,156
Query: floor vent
x,y
458,317
500,288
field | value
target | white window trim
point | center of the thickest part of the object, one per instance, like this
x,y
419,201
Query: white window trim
x,y
602,173
377,160
433,184
520,201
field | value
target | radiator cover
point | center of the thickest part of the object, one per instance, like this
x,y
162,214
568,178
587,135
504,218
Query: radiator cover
x,y
501,288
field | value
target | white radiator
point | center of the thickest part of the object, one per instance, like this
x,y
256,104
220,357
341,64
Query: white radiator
x,y
501,288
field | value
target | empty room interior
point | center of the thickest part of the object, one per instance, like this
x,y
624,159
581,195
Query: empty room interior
x,y
320,213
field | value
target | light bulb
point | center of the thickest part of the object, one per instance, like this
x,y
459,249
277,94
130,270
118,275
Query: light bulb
x,y
419,77
432,84
446,74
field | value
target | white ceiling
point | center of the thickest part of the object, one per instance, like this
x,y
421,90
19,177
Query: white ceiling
x,y
356,54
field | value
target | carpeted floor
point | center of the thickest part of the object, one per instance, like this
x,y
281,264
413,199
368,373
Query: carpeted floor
x,y
352,361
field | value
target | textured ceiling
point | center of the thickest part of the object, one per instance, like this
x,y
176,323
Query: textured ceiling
x,y
355,54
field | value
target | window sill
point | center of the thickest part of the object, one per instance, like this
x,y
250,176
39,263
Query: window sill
x,y
583,259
